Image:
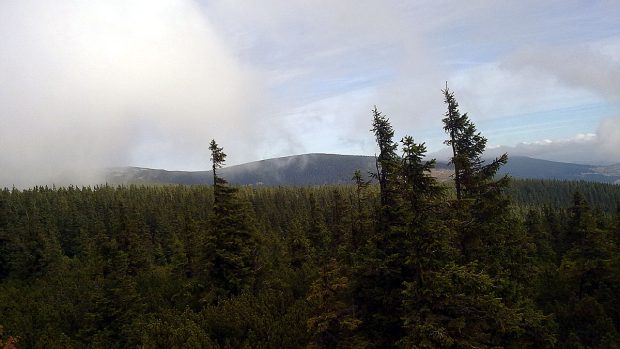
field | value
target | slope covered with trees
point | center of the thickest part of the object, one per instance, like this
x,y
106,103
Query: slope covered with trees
x,y
407,262
330,169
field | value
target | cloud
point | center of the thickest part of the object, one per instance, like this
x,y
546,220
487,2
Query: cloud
x,y
398,54
149,83
100,83
492,91
609,136
590,148
593,69
588,67
330,62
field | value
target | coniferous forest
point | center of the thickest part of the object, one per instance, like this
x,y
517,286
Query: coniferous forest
x,y
398,261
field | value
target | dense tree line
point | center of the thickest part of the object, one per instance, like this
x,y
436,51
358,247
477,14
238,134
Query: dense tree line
x,y
406,262
559,194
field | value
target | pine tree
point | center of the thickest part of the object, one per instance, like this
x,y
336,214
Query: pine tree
x,y
590,271
617,231
480,197
471,176
491,237
387,166
218,158
333,320
232,246
419,185
317,230
362,217
5,238
380,264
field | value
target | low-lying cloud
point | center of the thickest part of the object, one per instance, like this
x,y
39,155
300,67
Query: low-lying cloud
x,y
86,85
590,148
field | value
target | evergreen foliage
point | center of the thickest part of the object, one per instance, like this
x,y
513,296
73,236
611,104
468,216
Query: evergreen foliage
x,y
472,177
406,262
230,252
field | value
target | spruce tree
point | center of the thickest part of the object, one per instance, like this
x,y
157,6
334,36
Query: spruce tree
x,y
231,249
617,231
480,197
333,320
471,176
218,158
5,238
380,266
589,314
387,166
419,185
361,220
491,238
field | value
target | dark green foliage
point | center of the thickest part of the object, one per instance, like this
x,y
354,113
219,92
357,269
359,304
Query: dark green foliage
x,y
379,268
456,307
492,241
112,292
334,319
590,273
229,259
559,194
387,166
419,185
617,234
472,177
400,263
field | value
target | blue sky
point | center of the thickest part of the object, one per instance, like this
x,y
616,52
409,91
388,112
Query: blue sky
x,y
527,72
149,83
521,69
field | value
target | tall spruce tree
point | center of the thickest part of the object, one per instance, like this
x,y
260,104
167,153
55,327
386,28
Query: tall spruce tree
x,y
380,268
471,176
480,197
388,166
491,238
231,249
218,158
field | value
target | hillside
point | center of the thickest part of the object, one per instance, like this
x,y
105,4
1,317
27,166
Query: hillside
x,y
319,169
525,167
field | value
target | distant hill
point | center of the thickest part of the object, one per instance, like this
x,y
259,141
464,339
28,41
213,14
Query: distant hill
x,y
525,167
318,169
298,170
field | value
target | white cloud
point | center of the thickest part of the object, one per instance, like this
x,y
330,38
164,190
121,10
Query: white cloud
x,y
98,83
592,67
418,46
492,91
588,148
101,83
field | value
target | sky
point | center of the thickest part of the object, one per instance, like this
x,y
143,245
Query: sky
x,y
88,85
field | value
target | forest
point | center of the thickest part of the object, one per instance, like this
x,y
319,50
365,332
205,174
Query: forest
x,y
402,261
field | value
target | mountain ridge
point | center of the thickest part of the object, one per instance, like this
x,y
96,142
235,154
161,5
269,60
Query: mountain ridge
x,y
324,168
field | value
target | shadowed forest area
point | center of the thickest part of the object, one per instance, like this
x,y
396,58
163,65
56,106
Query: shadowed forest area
x,y
403,262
